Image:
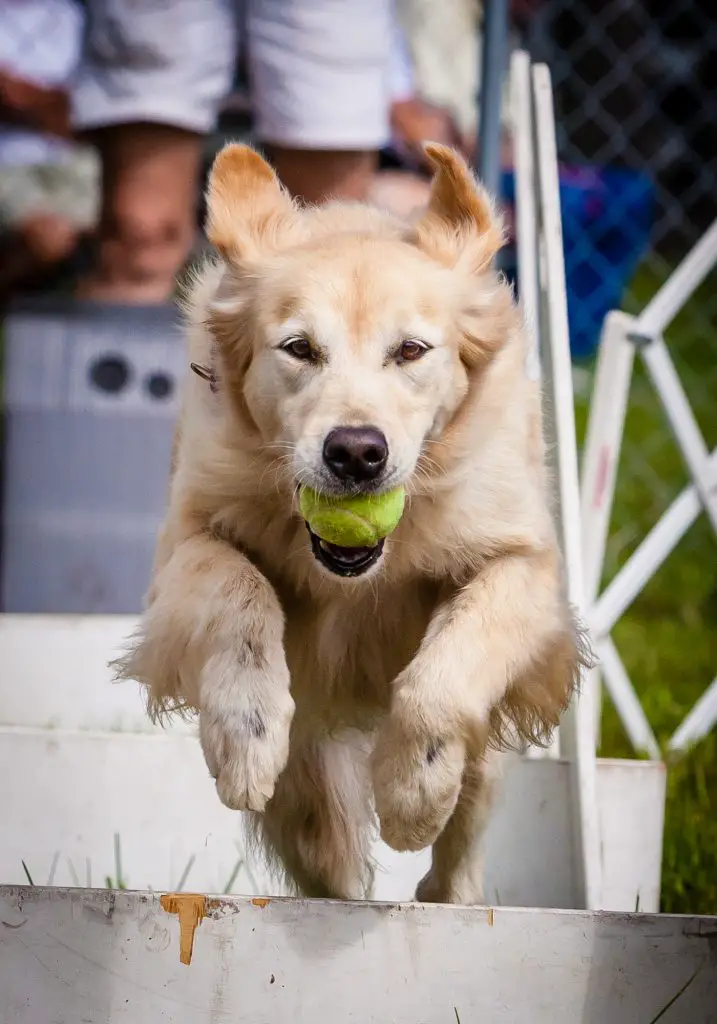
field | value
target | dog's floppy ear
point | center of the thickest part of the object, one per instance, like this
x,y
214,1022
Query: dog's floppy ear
x,y
460,223
248,211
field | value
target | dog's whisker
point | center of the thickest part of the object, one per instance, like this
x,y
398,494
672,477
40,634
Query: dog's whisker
x,y
280,446
277,468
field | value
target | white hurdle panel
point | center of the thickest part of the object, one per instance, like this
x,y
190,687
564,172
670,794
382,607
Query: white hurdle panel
x,y
622,337
541,268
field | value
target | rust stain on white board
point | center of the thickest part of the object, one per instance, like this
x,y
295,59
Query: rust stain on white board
x,y
190,908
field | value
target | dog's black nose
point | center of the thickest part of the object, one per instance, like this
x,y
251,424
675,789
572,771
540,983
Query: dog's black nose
x,y
356,453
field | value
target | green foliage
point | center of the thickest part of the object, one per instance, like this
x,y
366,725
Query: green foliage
x,y
689,867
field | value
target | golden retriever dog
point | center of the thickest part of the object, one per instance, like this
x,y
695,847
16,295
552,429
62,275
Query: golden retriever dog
x,y
353,353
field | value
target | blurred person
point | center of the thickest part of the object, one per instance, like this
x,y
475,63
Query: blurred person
x,y
149,86
49,186
438,45
402,183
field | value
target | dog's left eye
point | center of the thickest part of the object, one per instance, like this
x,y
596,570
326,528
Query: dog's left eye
x,y
410,350
298,347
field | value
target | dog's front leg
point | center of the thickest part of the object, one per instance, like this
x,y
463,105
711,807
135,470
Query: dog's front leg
x,y
503,647
212,640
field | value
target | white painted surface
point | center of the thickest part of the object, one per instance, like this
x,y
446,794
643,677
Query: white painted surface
x,y
64,796
603,441
526,236
54,674
71,957
621,334
526,213
577,730
631,797
78,649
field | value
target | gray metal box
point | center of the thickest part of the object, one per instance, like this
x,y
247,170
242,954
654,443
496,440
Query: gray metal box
x,y
91,397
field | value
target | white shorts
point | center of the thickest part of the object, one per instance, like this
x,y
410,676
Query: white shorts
x,y
319,69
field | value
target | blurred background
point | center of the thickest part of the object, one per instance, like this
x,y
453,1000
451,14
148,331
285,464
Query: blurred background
x,y
100,215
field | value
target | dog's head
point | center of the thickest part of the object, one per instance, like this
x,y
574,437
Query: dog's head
x,y
348,340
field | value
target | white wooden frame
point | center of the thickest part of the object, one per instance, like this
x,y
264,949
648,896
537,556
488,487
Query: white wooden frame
x,y
541,269
622,336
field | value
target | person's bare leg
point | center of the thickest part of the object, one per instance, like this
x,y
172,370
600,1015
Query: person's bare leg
x,y
317,175
399,192
147,223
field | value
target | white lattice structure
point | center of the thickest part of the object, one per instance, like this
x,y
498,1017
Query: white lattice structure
x,y
622,337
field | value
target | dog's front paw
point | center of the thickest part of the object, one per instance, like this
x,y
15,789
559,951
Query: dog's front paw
x,y
244,730
417,777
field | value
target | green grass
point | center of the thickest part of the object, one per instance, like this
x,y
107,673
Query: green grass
x,y
667,639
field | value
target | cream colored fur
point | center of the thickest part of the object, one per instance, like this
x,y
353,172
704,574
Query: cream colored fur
x,y
323,701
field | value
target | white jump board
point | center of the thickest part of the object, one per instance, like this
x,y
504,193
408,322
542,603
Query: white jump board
x,y
80,762
114,958
63,797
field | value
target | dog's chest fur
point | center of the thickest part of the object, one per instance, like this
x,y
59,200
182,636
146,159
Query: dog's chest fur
x,y
344,652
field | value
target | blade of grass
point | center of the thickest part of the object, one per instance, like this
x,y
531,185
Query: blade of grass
x,y
75,877
183,877
118,863
53,867
28,876
233,877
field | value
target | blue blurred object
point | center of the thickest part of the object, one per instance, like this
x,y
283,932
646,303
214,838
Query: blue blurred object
x,y
607,219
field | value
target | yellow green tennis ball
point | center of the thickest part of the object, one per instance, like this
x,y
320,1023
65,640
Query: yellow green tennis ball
x,y
359,522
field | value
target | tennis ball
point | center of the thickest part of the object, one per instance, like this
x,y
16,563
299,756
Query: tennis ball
x,y
359,522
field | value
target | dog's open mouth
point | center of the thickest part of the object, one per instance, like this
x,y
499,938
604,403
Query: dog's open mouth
x,y
344,561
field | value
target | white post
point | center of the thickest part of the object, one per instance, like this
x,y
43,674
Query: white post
x,y
526,214
601,455
577,731
526,230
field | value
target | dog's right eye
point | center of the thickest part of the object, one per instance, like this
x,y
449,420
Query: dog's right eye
x,y
298,347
